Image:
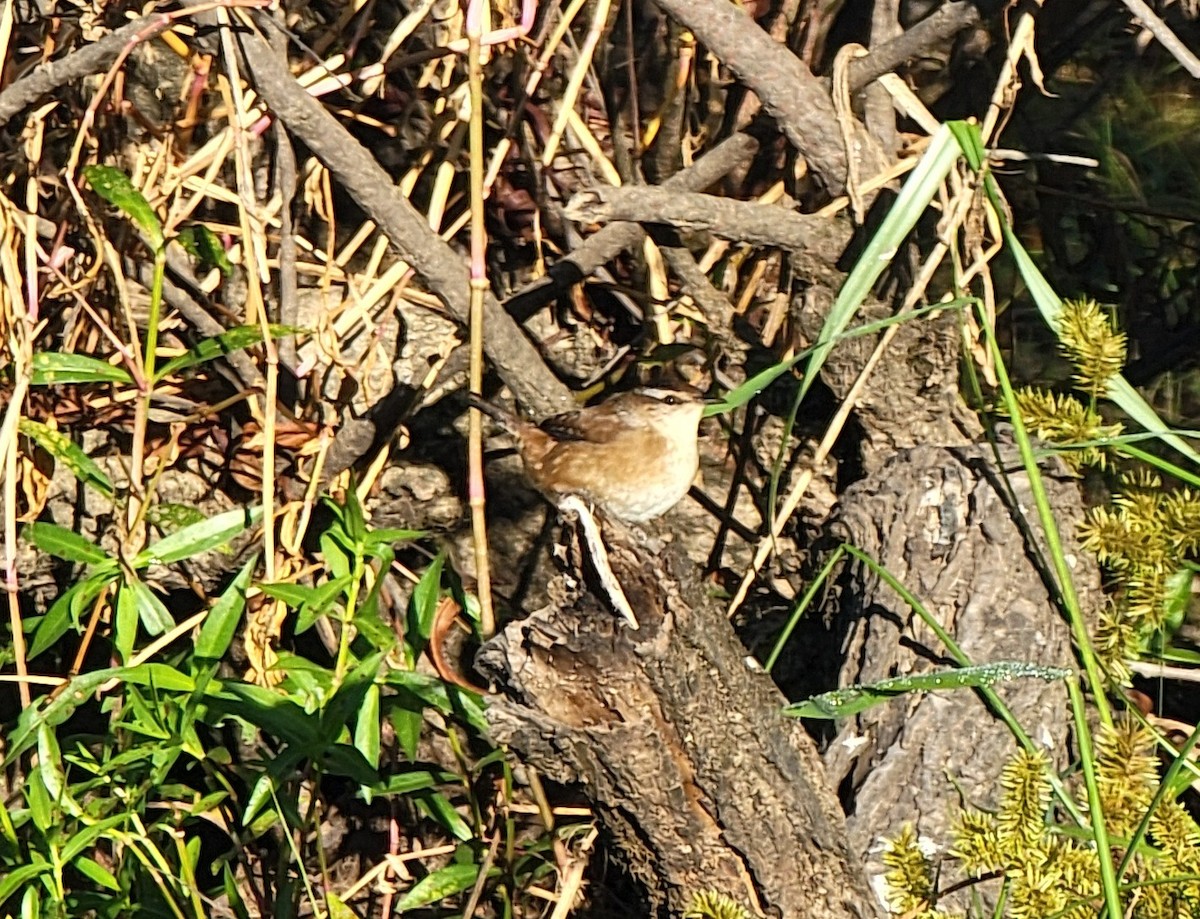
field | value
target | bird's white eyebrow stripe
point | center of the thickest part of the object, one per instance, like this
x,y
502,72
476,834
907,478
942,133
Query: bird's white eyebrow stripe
x,y
656,392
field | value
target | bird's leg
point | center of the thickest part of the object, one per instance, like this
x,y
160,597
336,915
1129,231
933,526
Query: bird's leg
x,y
599,554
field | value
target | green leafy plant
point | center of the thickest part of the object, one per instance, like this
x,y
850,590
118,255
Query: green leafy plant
x,y
1050,869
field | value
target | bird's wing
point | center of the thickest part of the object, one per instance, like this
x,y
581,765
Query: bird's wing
x,y
574,426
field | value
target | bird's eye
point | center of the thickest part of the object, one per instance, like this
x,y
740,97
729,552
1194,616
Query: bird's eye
x,y
671,400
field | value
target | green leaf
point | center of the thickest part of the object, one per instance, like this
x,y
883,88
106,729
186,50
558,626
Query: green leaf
x,y
310,602
376,538
337,561
65,611
151,612
436,693
216,634
366,727
125,626
53,710
84,838
841,703
338,909
1177,598
63,543
266,709
18,877
114,187
1049,304
919,190
41,806
349,697
170,517
160,676
406,783
198,537
343,759
207,349
53,367
95,873
204,245
352,517
67,452
294,595
285,764
407,722
438,808
425,596
445,882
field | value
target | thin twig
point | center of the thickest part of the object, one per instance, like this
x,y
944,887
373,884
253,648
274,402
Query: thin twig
x,y
479,286
1168,39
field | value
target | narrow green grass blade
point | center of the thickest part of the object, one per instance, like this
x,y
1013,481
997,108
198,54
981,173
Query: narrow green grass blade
x,y
919,190
841,703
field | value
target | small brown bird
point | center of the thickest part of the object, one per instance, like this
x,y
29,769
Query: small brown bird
x,y
633,455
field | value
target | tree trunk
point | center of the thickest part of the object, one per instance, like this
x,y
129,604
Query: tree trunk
x,y
697,775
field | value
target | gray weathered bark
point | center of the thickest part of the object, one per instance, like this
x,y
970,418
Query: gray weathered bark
x,y
694,770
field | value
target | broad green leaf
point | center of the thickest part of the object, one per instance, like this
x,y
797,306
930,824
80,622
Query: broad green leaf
x,y
153,614
841,703
338,909
310,602
41,805
207,349
219,626
435,887
366,727
69,453
205,246
438,808
114,187
1177,598
425,596
352,517
407,723
160,676
296,595
66,609
8,833
436,693
53,367
417,780
31,903
198,537
343,759
266,709
95,873
288,762
83,838
338,561
53,710
170,517
50,768
126,625
18,877
350,696
369,623
63,543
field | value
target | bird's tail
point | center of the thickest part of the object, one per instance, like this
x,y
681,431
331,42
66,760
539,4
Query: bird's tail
x,y
508,420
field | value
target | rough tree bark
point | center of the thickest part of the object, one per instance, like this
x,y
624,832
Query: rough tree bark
x,y
701,781
955,524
